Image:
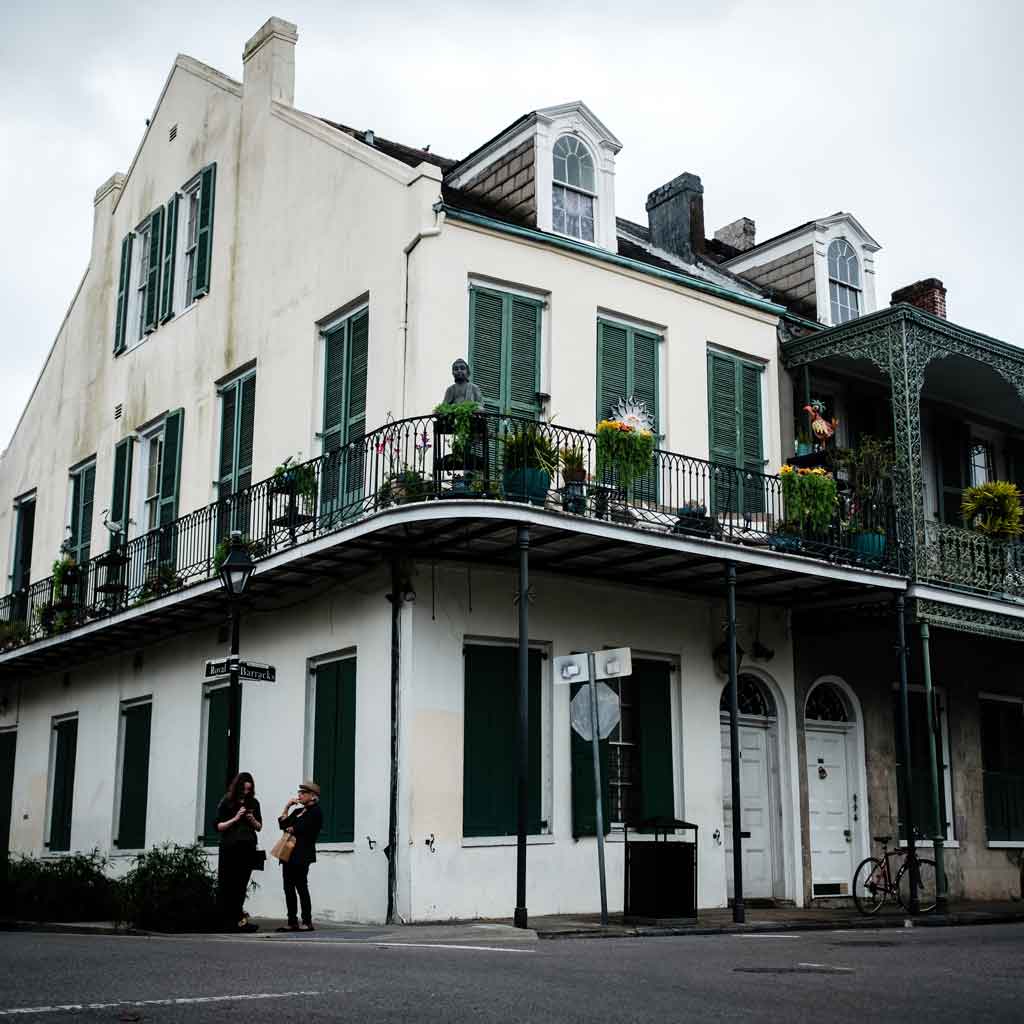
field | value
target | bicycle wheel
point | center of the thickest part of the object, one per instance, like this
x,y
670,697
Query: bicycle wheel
x,y
869,885
926,885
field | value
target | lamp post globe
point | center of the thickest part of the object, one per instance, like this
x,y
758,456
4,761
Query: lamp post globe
x,y
237,568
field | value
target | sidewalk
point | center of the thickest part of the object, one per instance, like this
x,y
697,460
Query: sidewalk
x,y
715,921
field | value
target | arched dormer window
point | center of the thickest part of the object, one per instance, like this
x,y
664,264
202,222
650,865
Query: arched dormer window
x,y
843,281
573,189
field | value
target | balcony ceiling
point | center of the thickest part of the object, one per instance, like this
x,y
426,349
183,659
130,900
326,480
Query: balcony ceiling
x,y
473,533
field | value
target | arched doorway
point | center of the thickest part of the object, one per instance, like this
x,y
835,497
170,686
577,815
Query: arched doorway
x,y
761,811
831,730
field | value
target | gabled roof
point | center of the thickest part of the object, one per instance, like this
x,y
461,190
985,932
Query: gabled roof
x,y
823,222
412,156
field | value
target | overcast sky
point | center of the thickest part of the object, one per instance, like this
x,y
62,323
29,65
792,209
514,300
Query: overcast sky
x,y
906,114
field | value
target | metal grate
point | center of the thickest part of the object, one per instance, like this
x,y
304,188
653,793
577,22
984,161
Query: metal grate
x,y
117,411
173,133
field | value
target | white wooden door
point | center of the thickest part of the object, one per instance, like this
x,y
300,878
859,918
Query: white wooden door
x,y
755,811
828,800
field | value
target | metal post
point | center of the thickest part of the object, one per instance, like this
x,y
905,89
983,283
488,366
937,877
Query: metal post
x,y
939,830
523,734
807,384
738,909
595,746
396,640
908,803
234,696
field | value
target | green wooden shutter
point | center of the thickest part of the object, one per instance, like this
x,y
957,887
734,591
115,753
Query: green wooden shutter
x,y
246,426
131,829
334,415
75,526
170,471
156,221
120,498
204,232
485,348
584,813
8,749
751,440
355,411
123,291
612,362
523,356
489,742
63,784
216,760
723,440
167,263
83,485
334,746
653,703
21,569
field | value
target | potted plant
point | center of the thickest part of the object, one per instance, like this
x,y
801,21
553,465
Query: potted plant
x,y
574,480
993,509
66,576
409,485
869,469
13,634
256,549
530,460
624,452
818,497
163,579
293,476
693,519
457,419
804,445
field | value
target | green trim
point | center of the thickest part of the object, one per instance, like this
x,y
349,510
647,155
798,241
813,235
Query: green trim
x,y
557,242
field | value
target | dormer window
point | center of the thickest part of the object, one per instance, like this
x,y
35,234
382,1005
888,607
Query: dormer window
x,y
573,191
843,281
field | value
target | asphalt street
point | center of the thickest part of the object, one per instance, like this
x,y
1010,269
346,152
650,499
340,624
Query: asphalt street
x,y
937,974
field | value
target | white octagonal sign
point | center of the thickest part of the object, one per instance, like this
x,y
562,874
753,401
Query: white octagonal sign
x,y
607,712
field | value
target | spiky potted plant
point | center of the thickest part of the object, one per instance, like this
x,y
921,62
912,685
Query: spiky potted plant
x,y
529,460
574,480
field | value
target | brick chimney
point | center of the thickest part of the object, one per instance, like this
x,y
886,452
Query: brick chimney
x,y
929,295
675,214
739,234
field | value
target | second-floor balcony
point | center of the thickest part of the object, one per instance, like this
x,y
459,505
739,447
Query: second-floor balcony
x,y
969,560
503,468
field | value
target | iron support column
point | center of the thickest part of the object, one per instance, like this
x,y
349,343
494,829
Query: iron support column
x,y
234,696
595,747
523,731
396,650
738,908
908,802
939,830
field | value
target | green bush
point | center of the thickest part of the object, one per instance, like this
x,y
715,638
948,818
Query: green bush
x,y
171,888
993,509
72,887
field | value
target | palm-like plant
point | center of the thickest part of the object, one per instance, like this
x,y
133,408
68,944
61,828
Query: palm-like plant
x,y
993,509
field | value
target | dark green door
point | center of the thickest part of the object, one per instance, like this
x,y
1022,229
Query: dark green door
x,y
8,745
66,745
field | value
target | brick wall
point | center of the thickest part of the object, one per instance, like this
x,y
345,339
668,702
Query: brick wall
x,y
929,295
508,185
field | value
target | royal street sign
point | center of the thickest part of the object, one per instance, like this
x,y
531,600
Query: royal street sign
x,y
254,671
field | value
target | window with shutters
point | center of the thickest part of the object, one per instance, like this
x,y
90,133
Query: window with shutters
x,y
490,718
921,723
952,442
152,492
61,790
83,486
331,747
573,189
504,350
636,758
132,789
21,556
1002,767
234,471
735,433
346,355
215,758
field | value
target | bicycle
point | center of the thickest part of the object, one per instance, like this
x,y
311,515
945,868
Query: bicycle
x,y
874,883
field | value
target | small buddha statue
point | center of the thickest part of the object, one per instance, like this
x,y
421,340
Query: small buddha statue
x,y
463,390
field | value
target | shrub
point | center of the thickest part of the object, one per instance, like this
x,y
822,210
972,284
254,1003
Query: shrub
x,y
993,509
73,887
171,888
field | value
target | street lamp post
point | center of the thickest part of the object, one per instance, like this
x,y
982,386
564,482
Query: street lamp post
x,y
235,572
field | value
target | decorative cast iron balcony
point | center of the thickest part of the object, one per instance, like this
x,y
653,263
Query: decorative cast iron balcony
x,y
955,556
422,459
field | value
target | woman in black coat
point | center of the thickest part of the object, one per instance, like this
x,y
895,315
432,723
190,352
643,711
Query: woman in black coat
x,y
304,822
239,818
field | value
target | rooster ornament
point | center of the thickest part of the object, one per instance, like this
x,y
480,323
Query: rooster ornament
x,y
822,429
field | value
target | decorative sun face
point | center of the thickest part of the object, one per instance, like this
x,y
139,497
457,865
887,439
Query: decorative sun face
x,y
633,413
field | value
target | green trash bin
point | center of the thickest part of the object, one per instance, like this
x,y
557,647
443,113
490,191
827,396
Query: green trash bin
x,y
661,871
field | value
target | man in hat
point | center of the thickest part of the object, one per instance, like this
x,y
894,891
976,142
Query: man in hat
x,y
303,819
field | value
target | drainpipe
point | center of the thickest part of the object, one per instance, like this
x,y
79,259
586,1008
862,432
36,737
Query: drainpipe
x,y
937,820
425,233
395,597
908,803
523,729
738,908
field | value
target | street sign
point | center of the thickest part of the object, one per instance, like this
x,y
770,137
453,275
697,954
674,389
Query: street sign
x,y
218,667
608,713
257,672
614,663
571,668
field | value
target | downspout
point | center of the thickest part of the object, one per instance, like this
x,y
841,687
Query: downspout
x,y
396,599
425,233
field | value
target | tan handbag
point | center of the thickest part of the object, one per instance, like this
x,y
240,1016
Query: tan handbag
x,y
282,849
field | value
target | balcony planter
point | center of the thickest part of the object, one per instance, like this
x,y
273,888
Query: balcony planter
x,y
869,546
787,538
528,484
694,521
574,497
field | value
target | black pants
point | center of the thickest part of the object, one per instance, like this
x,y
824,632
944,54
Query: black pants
x,y
234,867
296,880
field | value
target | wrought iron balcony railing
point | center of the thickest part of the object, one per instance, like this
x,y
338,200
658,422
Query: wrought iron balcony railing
x,y
422,459
955,556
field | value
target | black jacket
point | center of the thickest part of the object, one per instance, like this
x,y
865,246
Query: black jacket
x,y
305,823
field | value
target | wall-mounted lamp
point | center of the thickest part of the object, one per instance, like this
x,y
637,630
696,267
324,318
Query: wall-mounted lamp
x,y
720,656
